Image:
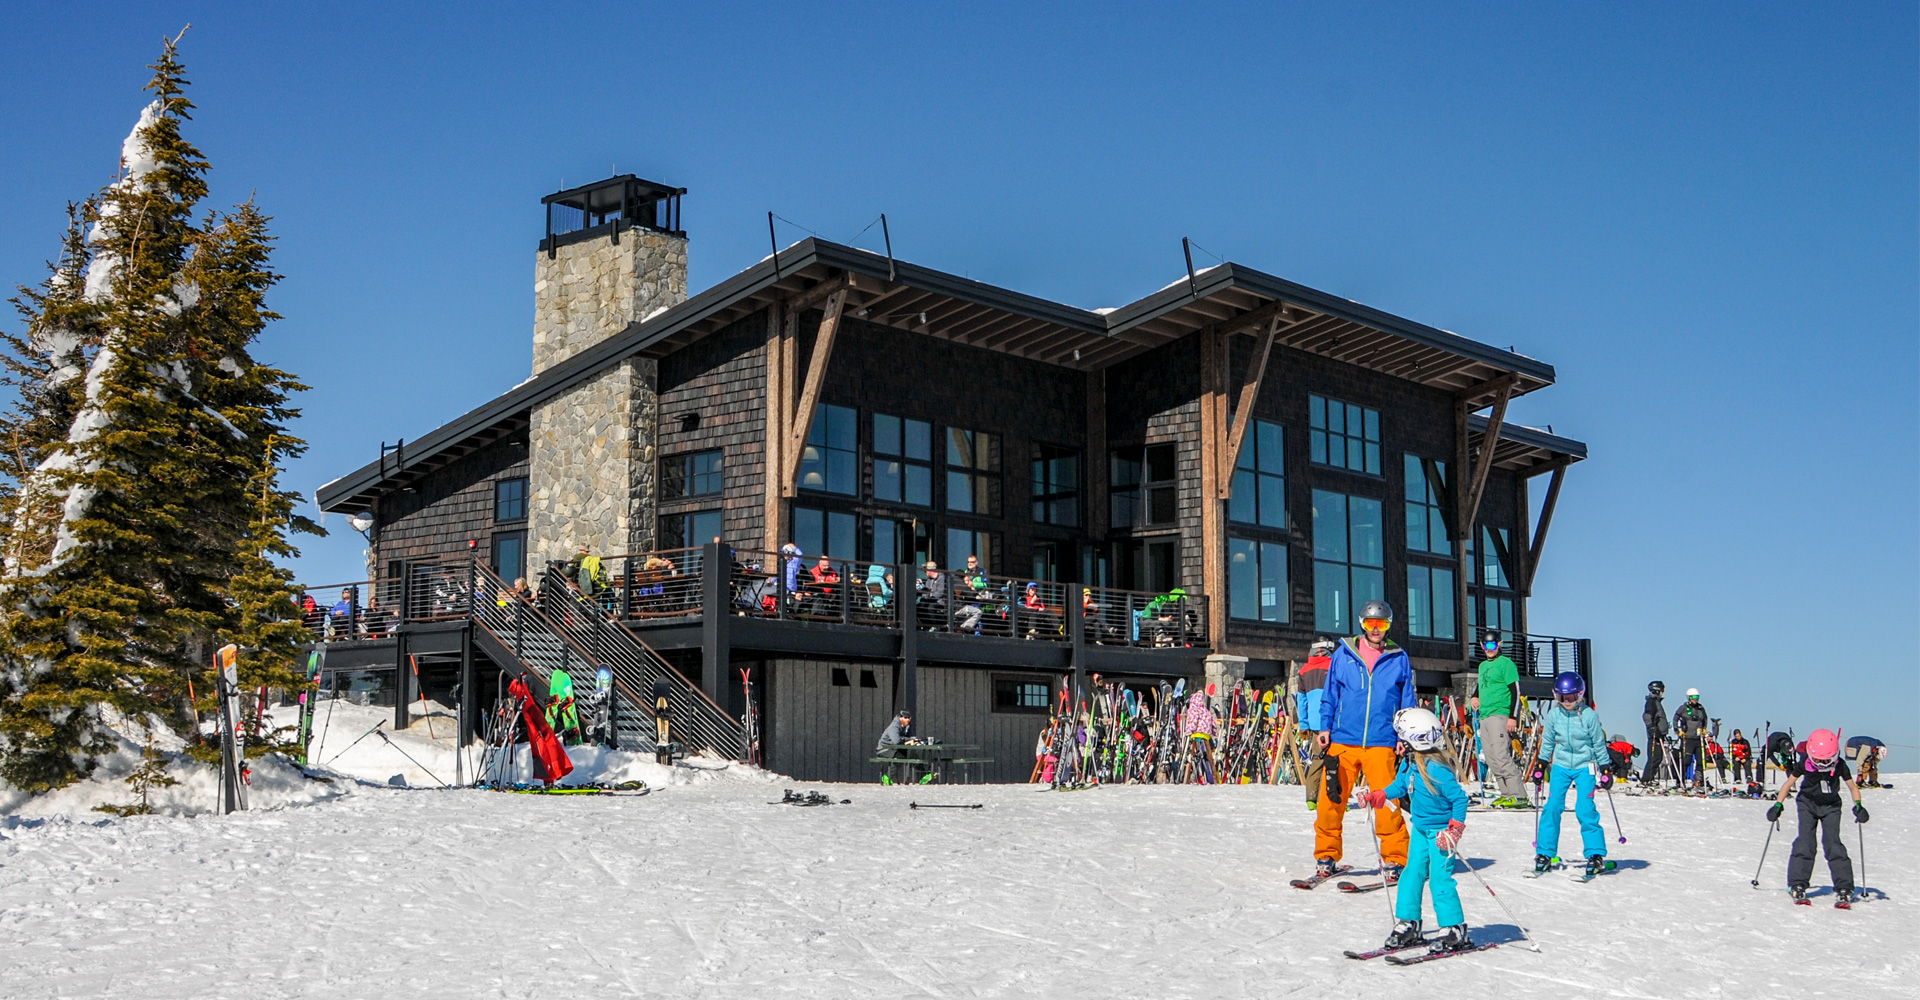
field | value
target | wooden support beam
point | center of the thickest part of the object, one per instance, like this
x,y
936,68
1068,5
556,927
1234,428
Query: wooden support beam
x,y
1213,437
1502,386
776,430
810,389
1243,403
817,294
1262,316
1476,484
1546,521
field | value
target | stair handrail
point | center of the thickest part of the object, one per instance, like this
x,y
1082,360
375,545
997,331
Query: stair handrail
x,y
614,643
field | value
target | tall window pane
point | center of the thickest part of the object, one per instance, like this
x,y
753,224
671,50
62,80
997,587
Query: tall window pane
x,y
1259,478
1257,580
1056,485
902,465
1329,525
1344,435
973,471
830,461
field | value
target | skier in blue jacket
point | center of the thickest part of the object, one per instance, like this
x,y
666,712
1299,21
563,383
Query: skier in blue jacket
x,y
1438,816
1368,679
1576,748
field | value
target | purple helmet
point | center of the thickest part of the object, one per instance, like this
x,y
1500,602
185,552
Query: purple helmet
x,y
1568,683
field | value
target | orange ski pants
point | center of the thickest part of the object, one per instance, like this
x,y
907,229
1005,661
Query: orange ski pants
x,y
1378,765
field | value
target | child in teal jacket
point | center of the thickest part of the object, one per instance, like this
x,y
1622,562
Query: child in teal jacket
x,y
1437,818
1575,747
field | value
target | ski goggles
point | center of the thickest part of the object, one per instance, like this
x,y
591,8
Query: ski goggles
x,y
1822,765
1376,624
1491,647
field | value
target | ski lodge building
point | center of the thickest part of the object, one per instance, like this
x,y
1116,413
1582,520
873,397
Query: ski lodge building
x,y
1196,484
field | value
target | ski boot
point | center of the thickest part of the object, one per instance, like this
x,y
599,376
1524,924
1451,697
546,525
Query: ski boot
x,y
1325,868
1542,863
1596,865
1453,938
1406,934
1843,899
1799,894
1390,874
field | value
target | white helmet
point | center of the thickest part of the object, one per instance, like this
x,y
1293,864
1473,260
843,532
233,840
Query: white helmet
x,y
1693,692
1418,728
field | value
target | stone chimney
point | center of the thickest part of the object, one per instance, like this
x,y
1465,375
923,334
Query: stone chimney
x,y
614,255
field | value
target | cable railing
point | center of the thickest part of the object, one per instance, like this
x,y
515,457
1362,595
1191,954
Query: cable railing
x,y
360,609
1544,655
587,622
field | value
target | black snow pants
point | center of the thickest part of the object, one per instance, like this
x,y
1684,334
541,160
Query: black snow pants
x,y
1693,765
1825,820
1652,771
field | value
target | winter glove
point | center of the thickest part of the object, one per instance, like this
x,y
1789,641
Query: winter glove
x,y
1375,799
1606,780
1859,812
1773,812
1449,838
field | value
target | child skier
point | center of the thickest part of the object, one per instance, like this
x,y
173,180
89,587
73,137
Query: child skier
x,y
1820,774
1437,819
1576,747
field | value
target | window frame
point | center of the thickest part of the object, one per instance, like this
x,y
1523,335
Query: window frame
x,y
981,479
903,458
1253,483
1324,561
1139,496
687,535
1016,682
1262,550
822,428
1045,500
1320,435
493,553
679,473
499,487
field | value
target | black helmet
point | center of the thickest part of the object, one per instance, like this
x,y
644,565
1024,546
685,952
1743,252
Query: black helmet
x,y
1489,635
1657,687
1376,609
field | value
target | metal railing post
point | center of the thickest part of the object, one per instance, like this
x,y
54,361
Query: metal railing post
x,y
353,611
780,585
846,593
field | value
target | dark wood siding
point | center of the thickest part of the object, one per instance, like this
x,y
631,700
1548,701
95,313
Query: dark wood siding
x,y
449,507
722,382
819,732
956,705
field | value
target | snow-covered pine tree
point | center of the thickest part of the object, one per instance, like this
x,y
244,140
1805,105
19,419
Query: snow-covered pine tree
x,y
135,541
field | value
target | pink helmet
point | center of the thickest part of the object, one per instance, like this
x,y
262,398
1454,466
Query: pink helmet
x,y
1823,745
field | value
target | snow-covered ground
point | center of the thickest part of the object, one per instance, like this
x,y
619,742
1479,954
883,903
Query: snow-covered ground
x,y
705,889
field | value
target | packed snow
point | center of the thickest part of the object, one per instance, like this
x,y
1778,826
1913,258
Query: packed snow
x,y
706,888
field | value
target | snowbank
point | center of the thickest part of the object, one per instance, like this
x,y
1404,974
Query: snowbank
x,y
276,784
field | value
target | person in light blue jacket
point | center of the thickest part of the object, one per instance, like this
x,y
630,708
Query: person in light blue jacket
x,y
1437,815
1575,746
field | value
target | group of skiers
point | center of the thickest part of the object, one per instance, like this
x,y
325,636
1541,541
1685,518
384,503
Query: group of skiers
x,y
1378,747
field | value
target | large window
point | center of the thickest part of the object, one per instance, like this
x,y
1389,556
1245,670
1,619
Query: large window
x,y
1259,478
825,533
1348,558
1150,564
1056,485
690,529
1141,486
696,474
830,462
510,500
1344,435
1430,601
1492,555
1426,524
973,471
1488,557
902,460
962,543
510,554
1257,579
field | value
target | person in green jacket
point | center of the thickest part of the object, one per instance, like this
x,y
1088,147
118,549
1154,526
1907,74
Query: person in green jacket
x,y
1498,703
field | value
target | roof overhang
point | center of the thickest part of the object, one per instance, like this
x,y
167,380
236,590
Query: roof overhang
x,y
1529,451
920,300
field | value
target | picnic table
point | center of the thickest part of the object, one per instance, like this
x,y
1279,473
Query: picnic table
x,y
911,761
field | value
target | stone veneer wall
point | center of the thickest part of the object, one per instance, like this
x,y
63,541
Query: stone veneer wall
x,y
591,290
592,450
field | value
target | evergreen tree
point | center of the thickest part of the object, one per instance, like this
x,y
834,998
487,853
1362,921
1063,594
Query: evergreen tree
x,y
148,529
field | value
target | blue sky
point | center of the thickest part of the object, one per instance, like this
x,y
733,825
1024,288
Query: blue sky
x,y
1704,216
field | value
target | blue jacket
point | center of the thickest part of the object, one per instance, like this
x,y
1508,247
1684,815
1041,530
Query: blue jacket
x,y
1358,704
1431,810
1574,739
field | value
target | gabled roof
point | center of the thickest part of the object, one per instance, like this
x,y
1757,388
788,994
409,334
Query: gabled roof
x,y
922,300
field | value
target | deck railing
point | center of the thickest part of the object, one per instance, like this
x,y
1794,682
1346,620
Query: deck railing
x,y
1545,655
665,586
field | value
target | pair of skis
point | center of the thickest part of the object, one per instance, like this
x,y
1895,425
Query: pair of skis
x,y
1394,957
1351,888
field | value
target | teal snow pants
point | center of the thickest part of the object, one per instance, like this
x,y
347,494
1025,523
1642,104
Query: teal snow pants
x,y
1428,865
1593,840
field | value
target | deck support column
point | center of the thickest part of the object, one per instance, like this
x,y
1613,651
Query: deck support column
x,y
1213,445
401,694
909,624
716,565
1077,636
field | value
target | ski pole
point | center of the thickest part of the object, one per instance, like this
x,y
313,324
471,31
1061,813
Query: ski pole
x,y
1374,835
1862,828
356,742
1763,853
1616,814
408,756
1531,943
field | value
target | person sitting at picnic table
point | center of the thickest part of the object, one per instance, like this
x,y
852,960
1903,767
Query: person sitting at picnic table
x,y
879,586
972,585
1161,614
899,733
